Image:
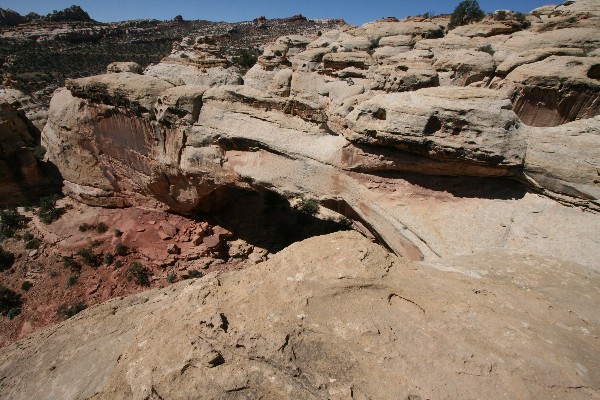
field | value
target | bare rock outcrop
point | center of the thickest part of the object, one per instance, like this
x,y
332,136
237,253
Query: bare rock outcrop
x,y
565,159
330,317
468,124
325,119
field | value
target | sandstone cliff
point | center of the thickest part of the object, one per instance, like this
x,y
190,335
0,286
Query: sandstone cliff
x,y
388,124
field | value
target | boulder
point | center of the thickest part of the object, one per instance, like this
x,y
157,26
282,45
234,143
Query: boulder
x,y
379,29
137,92
487,28
565,160
179,104
117,67
472,125
465,67
185,74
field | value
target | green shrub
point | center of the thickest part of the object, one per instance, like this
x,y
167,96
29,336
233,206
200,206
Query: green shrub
x,y
118,233
85,227
10,302
118,264
47,211
101,227
121,249
108,258
466,12
10,221
6,259
172,277
500,15
345,223
33,244
139,274
308,207
88,257
487,49
27,236
25,286
70,263
245,58
66,312
13,312
72,280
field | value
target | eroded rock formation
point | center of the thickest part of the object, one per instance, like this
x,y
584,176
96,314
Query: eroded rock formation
x,y
354,110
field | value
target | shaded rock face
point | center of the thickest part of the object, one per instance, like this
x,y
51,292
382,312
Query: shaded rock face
x,y
24,174
347,118
330,317
556,90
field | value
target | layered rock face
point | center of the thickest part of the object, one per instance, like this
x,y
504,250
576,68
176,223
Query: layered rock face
x,y
332,317
348,118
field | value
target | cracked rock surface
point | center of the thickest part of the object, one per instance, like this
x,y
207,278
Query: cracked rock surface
x,y
334,317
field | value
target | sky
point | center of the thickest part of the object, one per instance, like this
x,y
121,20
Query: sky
x,y
355,12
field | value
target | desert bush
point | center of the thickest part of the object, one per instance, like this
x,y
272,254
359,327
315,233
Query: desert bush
x,y
70,263
121,249
108,258
85,227
345,223
10,302
500,15
65,311
27,236
6,259
245,58
308,207
522,19
25,286
88,257
139,274
466,12
101,227
33,244
47,211
487,49
72,280
118,233
10,222
172,277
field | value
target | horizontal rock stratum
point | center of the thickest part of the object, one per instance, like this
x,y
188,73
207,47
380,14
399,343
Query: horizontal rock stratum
x,y
415,134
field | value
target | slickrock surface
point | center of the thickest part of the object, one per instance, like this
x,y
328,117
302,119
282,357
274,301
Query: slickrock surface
x,y
331,317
